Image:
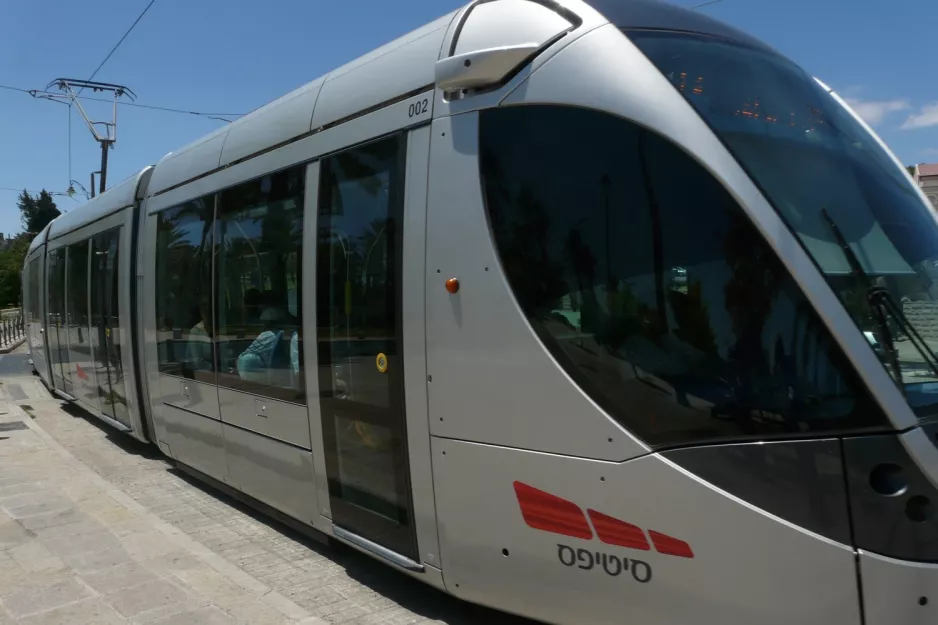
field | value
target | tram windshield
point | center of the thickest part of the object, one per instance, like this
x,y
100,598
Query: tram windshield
x,y
854,210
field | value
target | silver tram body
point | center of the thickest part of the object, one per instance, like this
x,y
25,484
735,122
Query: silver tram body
x,y
555,305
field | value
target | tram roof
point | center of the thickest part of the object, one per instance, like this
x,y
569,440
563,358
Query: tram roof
x,y
117,197
402,66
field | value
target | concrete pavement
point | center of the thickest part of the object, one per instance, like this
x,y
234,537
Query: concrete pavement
x,y
96,528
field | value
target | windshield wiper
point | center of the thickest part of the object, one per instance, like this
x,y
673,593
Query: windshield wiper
x,y
881,303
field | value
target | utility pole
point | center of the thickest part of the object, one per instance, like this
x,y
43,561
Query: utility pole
x,y
108,136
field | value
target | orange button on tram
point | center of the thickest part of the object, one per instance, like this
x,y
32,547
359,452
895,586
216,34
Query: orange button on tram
x,y
452,285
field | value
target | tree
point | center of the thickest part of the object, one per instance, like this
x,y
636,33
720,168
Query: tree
x,y
911,169
11,266
36,211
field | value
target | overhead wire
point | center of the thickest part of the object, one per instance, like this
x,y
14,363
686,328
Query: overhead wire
x,y
32,191
172,110
14,88
38,93
703,4
117,45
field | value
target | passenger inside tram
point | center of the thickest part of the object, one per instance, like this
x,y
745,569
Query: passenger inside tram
x,y
273,357
199,340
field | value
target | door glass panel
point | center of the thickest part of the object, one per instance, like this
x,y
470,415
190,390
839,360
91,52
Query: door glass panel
x,y
99,322
260,233
118,396
56,287
360,360
33,313
106,326
76,307
184,290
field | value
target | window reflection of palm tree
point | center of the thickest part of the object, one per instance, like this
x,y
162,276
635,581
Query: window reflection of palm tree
x,y
757,278
377,230
654,211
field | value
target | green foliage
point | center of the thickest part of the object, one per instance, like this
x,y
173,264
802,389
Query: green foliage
x,y
11,267
36,211
911,170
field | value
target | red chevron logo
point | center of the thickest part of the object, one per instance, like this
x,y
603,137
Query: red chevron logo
x,y
549,513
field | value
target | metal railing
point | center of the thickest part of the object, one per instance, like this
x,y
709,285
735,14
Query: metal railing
x,y
12,327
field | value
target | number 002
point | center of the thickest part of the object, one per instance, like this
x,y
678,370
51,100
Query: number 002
x,y
418,108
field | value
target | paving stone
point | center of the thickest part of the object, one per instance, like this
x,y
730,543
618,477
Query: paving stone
x,y
57,504
118,516
203,616
147,544
6,492
146,597
165,611
116,578
74,530
97,501
94,560
66,545
41,597
34,557
34,497
206,581
255,612
87,612
12,534
51,519
11,479
10,572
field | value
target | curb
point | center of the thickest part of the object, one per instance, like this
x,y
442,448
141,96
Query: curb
x,y
254,587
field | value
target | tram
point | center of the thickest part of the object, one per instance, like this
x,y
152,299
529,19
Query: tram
x,y
558,306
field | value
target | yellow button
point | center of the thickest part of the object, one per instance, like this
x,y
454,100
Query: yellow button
x,y
381,362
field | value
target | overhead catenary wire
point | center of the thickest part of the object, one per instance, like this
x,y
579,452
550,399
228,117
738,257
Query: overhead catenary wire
x,y
703,4
37,93
172,110
117,45
32,191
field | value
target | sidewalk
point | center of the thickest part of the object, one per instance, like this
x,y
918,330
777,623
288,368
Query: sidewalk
x,y
96,528
74,549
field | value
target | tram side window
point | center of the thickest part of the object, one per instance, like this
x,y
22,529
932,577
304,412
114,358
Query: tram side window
x,y
258,274
184,290
651,287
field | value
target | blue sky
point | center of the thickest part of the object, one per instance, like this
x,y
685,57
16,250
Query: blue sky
x,y
231,56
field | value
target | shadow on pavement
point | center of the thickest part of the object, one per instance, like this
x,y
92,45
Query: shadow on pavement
x,y
421,599
123,440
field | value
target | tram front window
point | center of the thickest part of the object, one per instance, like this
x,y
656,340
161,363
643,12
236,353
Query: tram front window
x,y
834,186
651,287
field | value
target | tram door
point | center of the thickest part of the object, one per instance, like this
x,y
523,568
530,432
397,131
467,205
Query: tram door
x,y
105,326
79,372
55,317
361,377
